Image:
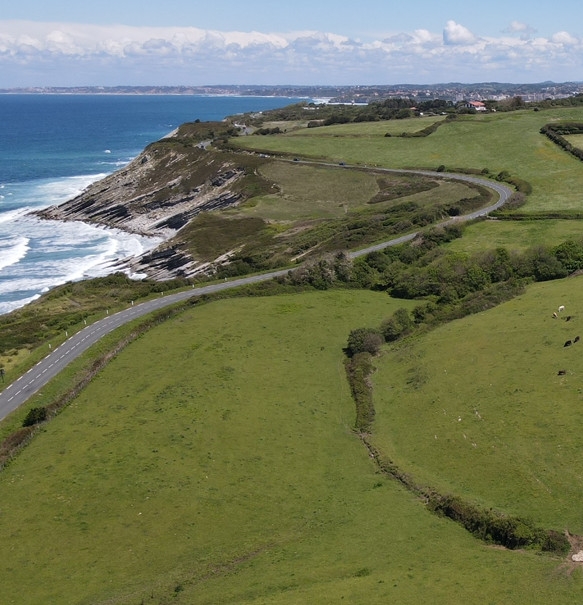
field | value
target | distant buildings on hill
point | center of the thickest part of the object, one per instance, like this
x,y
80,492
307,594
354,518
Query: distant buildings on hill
x,y
454,92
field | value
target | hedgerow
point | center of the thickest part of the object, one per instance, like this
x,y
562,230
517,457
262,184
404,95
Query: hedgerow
x,y
555,131
456,286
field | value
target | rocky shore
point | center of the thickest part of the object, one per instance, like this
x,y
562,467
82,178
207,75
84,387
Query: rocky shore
x,y
157,194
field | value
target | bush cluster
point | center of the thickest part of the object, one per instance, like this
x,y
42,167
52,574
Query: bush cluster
x,y
13,443
364,340
423,270
358,370
491,526
266,131
520,185
387,109
35,416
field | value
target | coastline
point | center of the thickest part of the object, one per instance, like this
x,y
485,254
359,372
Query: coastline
x,y
54,148
149,199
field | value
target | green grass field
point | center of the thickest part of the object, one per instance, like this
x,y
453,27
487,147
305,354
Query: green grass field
x,y
516,235
214,459
576,140
374,129
318,192
504,141
213,462
477,407
498,142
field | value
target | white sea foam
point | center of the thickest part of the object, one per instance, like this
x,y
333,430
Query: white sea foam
x,y
37,255
34,195
13,250
11,215
6,307
52,192
59,252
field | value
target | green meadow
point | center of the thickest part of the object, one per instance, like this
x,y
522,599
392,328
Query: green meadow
x,y
576,140
498,142
516,235
477,407
214,461
322,192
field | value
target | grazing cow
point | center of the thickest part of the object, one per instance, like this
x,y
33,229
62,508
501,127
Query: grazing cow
x,y
568,318
576,339
561,372
568,343
561,308
555,315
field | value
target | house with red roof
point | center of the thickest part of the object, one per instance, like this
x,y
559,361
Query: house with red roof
x,y
477,105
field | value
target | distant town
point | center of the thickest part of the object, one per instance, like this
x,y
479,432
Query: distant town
x,y
452,91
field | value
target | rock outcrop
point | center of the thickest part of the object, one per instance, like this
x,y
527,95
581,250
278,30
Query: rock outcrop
x,y
157,194
119,200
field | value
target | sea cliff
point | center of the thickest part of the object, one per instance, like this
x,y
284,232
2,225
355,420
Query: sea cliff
x,y
158,193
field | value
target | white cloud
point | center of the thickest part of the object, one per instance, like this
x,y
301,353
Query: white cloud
x,y
423,36
73,54
565,39
518,27
454,33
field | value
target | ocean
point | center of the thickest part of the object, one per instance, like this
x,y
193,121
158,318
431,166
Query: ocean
x,y
51,148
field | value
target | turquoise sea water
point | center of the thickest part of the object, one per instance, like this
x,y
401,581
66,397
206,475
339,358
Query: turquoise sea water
x,y
51,148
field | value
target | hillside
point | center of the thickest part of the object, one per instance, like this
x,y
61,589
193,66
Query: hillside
x,y
222,210
396,427
214,461
168,184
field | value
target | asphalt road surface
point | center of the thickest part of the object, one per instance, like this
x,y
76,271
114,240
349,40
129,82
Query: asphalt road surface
x,y
17,393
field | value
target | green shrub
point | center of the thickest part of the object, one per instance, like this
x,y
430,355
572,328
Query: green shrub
x,y
358,370
364,340
398,325
35,416
492,526
570,255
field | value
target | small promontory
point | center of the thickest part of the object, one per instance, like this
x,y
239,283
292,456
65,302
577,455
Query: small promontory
x,y
160,191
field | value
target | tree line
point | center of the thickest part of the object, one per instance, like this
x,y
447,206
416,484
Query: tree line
x,y
447,284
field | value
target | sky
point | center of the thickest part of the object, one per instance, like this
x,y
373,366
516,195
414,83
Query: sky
x,y
259,42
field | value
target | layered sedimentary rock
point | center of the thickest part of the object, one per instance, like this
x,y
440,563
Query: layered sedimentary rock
x,y
157,194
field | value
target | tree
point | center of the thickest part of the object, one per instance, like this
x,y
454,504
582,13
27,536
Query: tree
x,y
343,267
424,312
498,264
475,278
545,266
403,114
364,340
397,326
570,255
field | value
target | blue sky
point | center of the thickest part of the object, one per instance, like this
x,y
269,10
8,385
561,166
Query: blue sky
x,y
189,42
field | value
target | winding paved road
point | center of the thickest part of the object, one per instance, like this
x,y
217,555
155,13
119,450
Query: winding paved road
x,y
17,393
